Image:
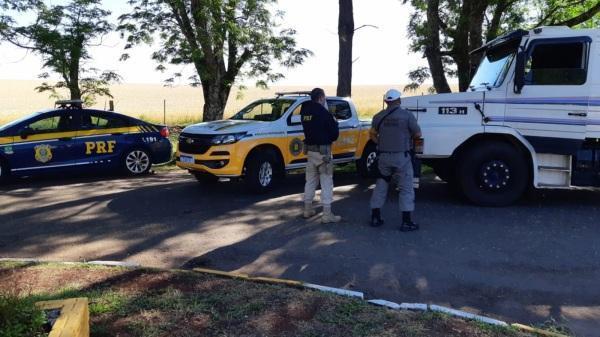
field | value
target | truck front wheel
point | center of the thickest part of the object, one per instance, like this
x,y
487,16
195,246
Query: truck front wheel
x,y
493,174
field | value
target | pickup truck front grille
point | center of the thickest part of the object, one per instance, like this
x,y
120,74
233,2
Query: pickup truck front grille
x,y
194,144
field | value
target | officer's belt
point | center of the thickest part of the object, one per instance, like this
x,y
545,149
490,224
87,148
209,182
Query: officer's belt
x,y
322,149
406,153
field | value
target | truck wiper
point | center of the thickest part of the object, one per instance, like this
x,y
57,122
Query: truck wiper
x,y
480,109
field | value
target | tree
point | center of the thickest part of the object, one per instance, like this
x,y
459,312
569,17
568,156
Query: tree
x,y
445,31
225,40
345,36
62,36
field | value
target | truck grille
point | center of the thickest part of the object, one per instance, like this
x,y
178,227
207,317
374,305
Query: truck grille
x,y
194,144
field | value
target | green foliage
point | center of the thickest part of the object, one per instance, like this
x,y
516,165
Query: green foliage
x,y
225,40
62,36
20,317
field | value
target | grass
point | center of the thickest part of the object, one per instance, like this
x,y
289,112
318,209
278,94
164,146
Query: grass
x,y
183,103
152,303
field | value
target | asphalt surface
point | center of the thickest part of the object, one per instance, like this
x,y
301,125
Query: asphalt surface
x,y
532,262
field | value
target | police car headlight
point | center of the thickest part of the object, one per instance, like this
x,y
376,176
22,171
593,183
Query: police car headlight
x,y
228,139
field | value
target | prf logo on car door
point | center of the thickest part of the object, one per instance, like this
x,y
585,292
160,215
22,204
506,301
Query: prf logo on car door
x,y
100,147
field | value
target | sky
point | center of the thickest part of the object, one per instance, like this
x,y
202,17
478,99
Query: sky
x,y
382,54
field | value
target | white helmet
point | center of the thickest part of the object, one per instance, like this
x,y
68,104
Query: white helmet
x,y
391,95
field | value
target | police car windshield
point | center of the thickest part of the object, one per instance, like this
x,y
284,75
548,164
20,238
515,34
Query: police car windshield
x,y
15,122
267,110
493,67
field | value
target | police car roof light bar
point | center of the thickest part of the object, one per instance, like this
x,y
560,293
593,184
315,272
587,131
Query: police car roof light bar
x,y
293,93
73,103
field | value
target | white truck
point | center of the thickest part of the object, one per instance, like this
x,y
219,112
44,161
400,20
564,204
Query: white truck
x,y
530,118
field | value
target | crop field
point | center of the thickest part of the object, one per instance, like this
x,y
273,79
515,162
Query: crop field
x,y
183,104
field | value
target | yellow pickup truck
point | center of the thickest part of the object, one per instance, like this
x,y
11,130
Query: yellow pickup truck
x,y
265,139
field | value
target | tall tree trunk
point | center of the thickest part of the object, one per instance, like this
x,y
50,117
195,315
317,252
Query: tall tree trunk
x,y
345,35
73,65
432,51
477,16
460,51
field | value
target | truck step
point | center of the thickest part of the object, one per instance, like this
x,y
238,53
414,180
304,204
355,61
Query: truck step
x,y
543,185
554,168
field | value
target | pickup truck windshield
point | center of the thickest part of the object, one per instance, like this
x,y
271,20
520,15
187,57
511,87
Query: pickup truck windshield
x,y
493,68
264,110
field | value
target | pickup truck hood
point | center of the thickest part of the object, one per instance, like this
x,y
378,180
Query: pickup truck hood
x,y
224,127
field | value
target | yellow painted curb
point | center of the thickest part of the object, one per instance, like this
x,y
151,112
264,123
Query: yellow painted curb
x,y
222,273
277,281
537,331
74,319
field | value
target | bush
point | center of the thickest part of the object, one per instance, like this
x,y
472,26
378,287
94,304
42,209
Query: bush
x,y
20,318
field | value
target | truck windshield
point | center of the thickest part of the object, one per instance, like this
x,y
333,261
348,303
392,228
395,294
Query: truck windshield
x,y
264,110
493,68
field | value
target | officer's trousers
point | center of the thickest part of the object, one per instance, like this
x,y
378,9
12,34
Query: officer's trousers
x,y
396,167
318,171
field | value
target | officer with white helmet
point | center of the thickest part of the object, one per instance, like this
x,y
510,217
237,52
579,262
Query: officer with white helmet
x,y
393,130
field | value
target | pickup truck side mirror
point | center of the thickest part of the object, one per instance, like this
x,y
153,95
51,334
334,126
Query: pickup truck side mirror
x,y
519,72
296,119
25,132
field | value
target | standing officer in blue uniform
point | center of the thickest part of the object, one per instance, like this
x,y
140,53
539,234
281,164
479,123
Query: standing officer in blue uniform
x,y
320,131
393,130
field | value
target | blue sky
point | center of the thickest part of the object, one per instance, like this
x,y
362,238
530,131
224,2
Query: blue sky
x,y
383,56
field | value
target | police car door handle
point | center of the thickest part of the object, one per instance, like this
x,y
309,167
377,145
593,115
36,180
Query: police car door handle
x,y
64,139
117,134
580,114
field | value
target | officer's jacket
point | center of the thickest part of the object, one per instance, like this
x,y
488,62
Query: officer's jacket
x,y
320,127
396,131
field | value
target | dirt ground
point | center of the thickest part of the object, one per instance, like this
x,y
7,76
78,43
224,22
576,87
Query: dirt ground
x,y
151,302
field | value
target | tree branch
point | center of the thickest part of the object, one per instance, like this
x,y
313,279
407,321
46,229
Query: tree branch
x,y
581,18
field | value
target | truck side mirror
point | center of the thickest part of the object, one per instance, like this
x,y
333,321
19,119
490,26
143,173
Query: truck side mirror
x,y
519,72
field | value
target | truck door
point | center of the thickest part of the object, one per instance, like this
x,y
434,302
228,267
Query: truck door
x,y
551,110
346,146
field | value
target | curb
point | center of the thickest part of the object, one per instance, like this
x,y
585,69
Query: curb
x,y
337,291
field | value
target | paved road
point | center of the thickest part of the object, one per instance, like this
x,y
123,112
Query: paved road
x,y
530,262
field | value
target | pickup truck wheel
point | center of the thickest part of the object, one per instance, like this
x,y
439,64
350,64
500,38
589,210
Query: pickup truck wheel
x,y
205,178
262,172
493,174
365,165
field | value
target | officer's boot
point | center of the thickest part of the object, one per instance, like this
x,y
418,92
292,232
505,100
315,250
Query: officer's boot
x,y
328,216
309,211
376,219
407,224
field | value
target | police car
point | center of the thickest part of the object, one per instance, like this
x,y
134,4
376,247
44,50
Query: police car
x,y
71,138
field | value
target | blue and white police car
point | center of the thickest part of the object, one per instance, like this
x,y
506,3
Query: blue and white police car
x,y
72,138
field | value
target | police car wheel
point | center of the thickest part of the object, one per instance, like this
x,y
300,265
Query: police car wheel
x,y
493,174
4,172
366,164
137,161
261,172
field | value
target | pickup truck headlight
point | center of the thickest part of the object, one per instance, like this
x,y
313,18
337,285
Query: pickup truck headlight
x,y
228,139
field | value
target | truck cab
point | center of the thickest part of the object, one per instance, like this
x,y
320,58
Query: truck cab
x,y
265,139
531,117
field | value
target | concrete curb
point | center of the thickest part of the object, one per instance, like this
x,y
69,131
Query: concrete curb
x,y
466,315
337,291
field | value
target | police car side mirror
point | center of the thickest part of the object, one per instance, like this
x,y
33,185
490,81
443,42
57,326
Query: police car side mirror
x,y
25,132
296,119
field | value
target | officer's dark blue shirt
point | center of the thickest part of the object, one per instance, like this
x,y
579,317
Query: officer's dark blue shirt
x,y
320,127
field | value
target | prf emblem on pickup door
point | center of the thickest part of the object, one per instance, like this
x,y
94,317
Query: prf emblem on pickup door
x,y
452,110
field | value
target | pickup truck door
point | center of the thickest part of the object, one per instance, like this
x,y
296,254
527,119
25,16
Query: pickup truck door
x,y
344,149
551,110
